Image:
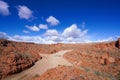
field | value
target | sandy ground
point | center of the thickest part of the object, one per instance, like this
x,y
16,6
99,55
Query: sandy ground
x,y
48,61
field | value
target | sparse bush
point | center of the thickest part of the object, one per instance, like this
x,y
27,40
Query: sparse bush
x,y
37,75
85,68
25,55
103,74
118,78
0,51
97,73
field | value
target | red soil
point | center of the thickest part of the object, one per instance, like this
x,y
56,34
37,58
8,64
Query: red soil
x,y
96,61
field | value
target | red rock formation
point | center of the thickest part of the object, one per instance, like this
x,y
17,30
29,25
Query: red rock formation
x,y
66,73
16,57
104,59
99,61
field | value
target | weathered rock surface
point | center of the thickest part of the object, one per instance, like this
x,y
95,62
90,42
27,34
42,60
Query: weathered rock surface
x,y
97,61
15,57
99,57
65,73
18,56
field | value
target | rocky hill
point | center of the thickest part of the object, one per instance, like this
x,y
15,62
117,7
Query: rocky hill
x,y
96,61
93,61
18,56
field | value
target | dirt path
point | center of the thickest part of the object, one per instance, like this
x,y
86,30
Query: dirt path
x,y
49,61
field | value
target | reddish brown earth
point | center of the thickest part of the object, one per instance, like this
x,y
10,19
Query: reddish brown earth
x,y
102,59
69,73
48,61
18,56
93,61
98,61
62,73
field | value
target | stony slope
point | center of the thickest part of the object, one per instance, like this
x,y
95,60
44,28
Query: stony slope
x,y
97,61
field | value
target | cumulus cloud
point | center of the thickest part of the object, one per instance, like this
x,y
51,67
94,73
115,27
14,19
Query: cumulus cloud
x,y
52,20
24,12
43,26
35,39
33,28
72,34
4,8
52,36
73,31
52,32
3,35
108,39
53,39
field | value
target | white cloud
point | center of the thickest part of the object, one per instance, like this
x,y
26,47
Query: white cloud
x,y
25,31
43,26
52,36
53,39
33,28
51,33
52,20
4,8
74,31
3,35
24,12
35,39
108,39
72,34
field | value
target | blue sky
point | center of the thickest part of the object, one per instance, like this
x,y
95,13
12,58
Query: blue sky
x,y
51,21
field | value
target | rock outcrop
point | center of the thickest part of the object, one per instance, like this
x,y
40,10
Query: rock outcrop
x,y
97,57
106,59
66,73
16,57
99,61
14,63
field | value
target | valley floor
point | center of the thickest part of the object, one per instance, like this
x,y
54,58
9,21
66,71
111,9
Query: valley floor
x,y
49,61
